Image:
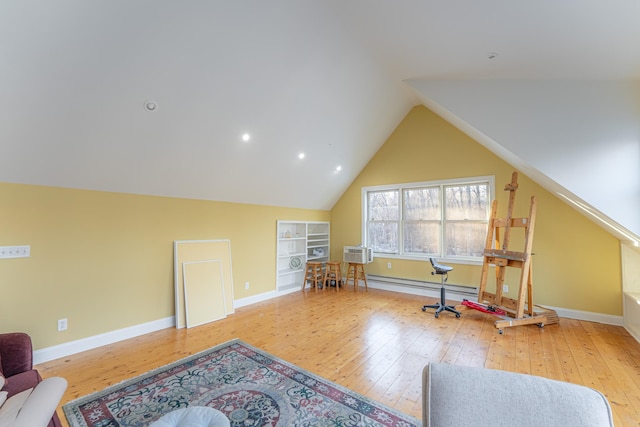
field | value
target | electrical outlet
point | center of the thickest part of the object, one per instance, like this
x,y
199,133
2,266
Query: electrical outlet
x,y
246,285
62,325
505,288
389,265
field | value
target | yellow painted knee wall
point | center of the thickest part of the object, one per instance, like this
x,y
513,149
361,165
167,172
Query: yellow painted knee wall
x,y
576,265
104,261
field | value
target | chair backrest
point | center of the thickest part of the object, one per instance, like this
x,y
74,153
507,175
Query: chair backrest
x,y
16,353
461,395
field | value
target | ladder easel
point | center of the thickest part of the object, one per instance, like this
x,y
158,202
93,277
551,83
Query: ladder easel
x,y
519,311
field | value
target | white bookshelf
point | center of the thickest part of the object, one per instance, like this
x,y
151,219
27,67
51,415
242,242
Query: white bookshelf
x,y
299,242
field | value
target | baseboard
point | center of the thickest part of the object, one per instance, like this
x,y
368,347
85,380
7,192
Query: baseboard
x,y
414,287
422,288
634,332
73,347
607,319
458,293
243,302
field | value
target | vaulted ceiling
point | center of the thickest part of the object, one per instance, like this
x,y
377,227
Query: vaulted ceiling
x,y
327,78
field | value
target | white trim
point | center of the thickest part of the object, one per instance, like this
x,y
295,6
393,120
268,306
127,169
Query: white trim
x,y
254,299
590,316
464,180
422,288
406,290
610,225
568,313
633,332
89,343
364,202
73,347
243,302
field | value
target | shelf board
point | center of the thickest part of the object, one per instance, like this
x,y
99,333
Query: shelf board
x,y
303,237
289,286
291,255
289,271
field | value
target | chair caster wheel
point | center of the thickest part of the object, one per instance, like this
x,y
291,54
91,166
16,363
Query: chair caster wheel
x,y
500,331
457,315
436,315
424,308
541,325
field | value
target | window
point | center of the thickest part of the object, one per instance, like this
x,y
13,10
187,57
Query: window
x,y
431,219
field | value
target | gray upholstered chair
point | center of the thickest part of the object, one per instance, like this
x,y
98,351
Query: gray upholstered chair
x,y
464,396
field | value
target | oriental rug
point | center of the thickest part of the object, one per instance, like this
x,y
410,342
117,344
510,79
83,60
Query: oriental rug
x,y
250,386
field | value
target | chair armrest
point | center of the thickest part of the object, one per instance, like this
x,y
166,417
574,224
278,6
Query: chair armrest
x,y
16,353
453,396
22,381
42,403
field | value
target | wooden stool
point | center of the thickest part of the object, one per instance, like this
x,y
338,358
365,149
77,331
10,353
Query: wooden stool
x,y
356,272
333,272
313,274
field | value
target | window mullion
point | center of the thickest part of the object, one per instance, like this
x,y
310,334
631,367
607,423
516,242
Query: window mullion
x,y
443,216
460,223
401,223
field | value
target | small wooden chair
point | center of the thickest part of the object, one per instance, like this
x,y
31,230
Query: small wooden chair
x,y
333,272
313,275
355,271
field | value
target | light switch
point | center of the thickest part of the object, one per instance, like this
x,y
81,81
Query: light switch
x,y
15,251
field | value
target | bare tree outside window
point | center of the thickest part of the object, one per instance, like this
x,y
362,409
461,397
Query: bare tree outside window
x,y
422,220
383,221
443,220
466,219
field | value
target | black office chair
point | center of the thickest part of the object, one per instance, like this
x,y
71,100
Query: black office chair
x,y
443,271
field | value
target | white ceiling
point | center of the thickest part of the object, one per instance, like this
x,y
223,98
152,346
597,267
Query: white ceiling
x,y
322,77
542,39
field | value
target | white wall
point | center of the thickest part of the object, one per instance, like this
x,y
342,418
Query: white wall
x,y
583,136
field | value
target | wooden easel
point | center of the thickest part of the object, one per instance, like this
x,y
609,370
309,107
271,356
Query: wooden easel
x,y
519,311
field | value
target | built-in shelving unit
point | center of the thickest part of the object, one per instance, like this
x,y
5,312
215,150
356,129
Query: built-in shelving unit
x,y
299,242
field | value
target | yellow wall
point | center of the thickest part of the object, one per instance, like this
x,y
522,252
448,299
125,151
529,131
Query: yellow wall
x,y
104,260
576,263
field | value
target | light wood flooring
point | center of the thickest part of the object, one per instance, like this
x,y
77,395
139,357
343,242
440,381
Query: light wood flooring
x,y
376,343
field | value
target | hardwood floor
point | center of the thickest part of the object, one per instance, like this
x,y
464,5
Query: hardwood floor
x,y
376,343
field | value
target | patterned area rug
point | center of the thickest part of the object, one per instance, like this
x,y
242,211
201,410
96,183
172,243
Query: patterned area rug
x,y
251,387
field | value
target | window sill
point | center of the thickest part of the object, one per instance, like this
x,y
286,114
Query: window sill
x,y
459,261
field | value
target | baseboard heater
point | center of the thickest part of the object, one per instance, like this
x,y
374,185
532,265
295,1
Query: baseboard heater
x,y
467,292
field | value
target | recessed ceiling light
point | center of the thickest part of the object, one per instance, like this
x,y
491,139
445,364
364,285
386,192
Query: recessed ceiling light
x,y
301,156
151,106
339,168
246,137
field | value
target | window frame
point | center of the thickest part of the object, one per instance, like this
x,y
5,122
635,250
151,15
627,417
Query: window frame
x,y
400,188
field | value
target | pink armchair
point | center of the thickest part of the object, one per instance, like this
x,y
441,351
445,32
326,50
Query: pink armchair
x,y
16,365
